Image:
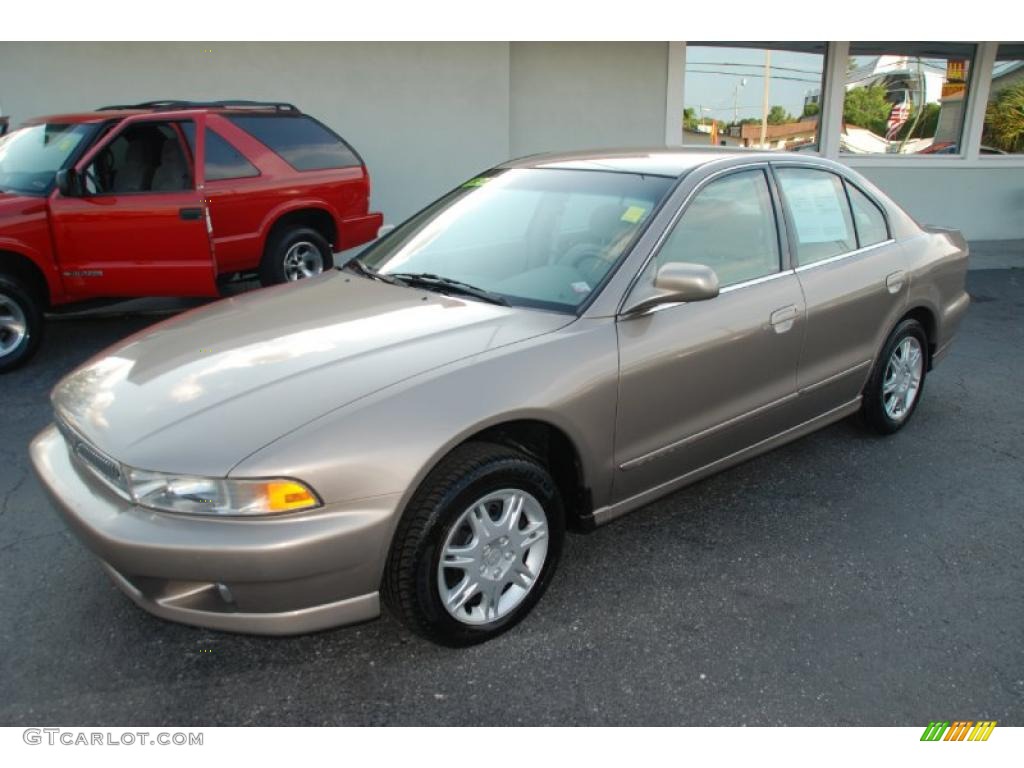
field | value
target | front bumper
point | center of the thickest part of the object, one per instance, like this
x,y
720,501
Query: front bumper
x,y
277,576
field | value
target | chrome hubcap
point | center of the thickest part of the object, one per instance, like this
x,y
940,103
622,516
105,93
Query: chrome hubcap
x,y
303,259
902,380
493,556
13,327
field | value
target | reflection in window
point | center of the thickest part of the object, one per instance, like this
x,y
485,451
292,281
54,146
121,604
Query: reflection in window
x,y
905,98
763,95
1004,116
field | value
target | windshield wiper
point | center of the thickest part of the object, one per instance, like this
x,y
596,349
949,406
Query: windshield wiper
x,y
359,268
441,284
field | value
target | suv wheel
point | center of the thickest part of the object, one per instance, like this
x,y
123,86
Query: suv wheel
x,y
477,547
295,254
895,386
21,323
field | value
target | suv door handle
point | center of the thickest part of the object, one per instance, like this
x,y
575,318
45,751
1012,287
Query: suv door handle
x,y
782,319
894,280
190,214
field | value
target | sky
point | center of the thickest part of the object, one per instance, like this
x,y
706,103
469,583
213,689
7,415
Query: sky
x,y
712,74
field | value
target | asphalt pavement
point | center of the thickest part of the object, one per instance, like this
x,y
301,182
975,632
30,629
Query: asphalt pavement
x,y
844,579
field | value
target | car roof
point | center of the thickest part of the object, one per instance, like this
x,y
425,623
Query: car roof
x,y
659,161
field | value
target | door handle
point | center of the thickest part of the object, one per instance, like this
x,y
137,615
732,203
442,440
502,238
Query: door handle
x,y
894,281
190,214
782,319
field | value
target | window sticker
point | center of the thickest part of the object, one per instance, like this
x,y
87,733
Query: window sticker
x,y
816,208
580,288
633,214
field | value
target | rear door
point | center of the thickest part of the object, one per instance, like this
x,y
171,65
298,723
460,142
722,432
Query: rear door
x,y
139,228
852,276
700,381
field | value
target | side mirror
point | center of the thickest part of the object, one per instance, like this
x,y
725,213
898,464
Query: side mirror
x,y
677,282
68,183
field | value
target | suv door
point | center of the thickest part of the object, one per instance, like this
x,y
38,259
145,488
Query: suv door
x,y
853,279
700,381
139,225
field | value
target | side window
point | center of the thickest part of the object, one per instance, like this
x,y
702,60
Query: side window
x,y
300,140
145,157
869,220
222,160
819,213
730,227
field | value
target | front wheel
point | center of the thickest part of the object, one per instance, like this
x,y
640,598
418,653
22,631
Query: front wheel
x,y
477,547
896,383
21,323
295,254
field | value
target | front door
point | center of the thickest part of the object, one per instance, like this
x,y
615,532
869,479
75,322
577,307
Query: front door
x,y
702,380
139,228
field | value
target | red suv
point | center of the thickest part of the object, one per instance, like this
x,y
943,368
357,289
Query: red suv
x,y
168,198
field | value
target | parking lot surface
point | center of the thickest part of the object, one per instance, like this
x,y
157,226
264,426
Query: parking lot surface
x,y
844,579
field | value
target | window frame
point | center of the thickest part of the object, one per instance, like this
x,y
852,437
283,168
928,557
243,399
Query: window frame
x,y
112,135
231,117
781,235
844,179
847,184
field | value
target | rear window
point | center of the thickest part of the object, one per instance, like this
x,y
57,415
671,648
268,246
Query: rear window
x,y
305,144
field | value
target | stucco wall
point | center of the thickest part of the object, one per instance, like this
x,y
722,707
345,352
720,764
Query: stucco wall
x,y
582,95
983,203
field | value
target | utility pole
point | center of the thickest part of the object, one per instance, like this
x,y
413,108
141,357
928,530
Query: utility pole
x,y
764,101
736,99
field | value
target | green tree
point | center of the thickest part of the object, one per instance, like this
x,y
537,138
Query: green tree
x,y
1004,119
811,109
867,108
778,115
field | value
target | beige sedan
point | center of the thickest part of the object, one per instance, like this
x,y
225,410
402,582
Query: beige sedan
x,y
551,345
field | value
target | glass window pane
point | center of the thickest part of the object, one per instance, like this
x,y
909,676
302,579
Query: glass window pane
x,y
304,143
905,98
764,95
730,227
870,222
222,160
1004,116
818,212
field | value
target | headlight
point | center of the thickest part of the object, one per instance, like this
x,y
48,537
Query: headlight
x,y
218,496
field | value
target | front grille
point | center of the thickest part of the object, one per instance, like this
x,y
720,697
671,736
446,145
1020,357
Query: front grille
x,y
93,459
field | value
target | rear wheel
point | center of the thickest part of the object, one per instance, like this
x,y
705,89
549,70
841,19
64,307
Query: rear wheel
x,y
295,254
21,323
477,547
896,383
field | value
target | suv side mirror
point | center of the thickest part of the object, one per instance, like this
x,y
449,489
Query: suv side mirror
x,y
68,183
677,282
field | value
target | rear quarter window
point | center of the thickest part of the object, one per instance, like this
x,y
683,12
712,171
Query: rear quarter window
x,y
301,141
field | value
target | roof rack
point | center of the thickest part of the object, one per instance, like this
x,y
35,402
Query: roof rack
x,y
171,104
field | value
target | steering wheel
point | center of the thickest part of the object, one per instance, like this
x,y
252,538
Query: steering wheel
x,y
583,257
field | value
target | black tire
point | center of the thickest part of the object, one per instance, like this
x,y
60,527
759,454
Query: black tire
x,y
272,266
15,297
469,473
872,408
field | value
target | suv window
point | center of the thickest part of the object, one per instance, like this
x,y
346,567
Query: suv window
x,y
305,144
730,227
145,157
221,161
869,220
819,213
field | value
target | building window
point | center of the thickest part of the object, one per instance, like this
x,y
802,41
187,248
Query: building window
x,y
1004,116
762,95
905,98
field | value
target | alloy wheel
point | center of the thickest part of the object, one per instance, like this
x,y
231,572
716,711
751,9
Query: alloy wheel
x,y
13,325
493,556
902,381
302,259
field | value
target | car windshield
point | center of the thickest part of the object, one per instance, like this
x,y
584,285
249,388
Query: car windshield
x,y
30,156
542,238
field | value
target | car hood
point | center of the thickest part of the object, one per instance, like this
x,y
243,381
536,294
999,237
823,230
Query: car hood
x,y
201,391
